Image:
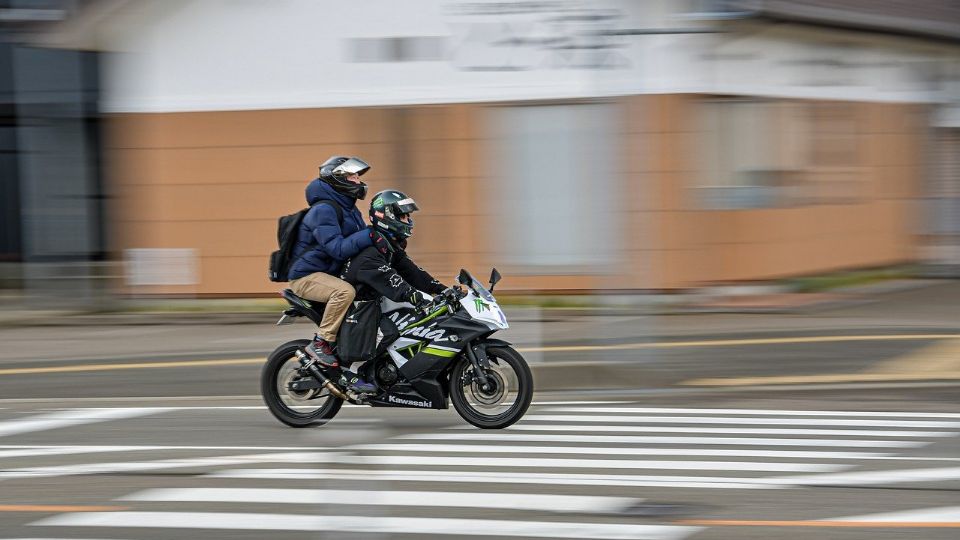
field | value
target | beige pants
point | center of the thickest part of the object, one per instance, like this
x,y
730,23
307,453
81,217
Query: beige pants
x,y
335,292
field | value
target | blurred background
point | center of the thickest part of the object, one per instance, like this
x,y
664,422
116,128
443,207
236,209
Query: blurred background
x,y
712,218
147,148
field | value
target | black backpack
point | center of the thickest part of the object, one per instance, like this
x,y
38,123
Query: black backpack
x,y
287,228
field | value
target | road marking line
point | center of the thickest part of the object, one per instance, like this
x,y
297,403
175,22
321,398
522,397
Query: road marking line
x,y
135,466
140,365
767,412
512,501
851,524
72,417
874,477
616,450
11,451
820,379
382,475
737,342
639,439
751,431
58,508
943,514
939,361
486,461
614,402
939,357
577,348
613,419
149,447
372,524
124,399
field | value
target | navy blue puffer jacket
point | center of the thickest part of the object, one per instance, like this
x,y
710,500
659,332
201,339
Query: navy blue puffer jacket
x,y
322,245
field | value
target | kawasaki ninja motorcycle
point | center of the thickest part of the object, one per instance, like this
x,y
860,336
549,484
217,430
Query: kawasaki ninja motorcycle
x,y
423,360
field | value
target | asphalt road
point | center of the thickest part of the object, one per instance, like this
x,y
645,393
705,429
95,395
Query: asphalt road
x,y
769,430
83,457
810,464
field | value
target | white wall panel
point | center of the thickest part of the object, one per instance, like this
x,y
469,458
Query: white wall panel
x,y
238,54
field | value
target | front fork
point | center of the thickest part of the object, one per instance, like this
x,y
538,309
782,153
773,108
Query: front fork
x,y
478,358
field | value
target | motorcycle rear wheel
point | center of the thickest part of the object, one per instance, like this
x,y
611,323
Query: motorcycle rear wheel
x,y
505,401
295,409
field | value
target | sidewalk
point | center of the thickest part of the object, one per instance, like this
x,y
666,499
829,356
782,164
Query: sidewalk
x,y
576,349
933,307
719,300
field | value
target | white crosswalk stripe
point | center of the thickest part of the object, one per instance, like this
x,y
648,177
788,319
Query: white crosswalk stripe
x,y
750,412
592,451
620,419
615,451
69,418
639,439
734,430
571,479
372,524
521,501
943,514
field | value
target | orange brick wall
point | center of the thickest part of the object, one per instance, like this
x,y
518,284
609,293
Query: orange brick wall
x,y
217,181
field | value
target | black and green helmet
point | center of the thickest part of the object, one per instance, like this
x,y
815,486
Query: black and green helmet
x,y
388,210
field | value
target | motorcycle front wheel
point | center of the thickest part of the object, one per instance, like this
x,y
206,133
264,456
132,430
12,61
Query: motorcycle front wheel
x,y
504,400
294,408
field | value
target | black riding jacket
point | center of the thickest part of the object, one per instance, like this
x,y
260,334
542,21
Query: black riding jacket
x,y
392,274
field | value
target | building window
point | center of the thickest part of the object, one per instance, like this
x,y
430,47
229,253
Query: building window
x,y
555,187
751,152
759,153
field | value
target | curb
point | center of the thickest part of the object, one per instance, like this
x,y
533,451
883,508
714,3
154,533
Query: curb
x,y
697,303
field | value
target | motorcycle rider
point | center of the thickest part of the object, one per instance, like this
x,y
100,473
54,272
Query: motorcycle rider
x,y
385,269
325,240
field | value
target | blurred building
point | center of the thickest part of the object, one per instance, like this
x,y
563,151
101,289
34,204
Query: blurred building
x,y
603,145
52,208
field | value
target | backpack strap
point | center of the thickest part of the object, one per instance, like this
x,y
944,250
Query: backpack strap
x,y
336,208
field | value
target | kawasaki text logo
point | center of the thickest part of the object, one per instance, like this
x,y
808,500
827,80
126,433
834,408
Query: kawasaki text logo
x,y
401,401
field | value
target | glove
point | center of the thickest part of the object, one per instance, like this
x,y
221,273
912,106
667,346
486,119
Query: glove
x,y
379,241
419,302
453,293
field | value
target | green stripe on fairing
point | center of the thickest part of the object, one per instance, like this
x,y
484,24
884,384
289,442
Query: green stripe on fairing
x,y
439,352
432,316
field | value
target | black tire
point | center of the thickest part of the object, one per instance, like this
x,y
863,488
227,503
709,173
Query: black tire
x,y
279,362
524,392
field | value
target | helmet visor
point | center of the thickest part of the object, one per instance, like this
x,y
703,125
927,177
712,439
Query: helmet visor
x,y
407,206
350,167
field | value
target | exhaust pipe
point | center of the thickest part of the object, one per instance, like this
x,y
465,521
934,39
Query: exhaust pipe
x,y
327,383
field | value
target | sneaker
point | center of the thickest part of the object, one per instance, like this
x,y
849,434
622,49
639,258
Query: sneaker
x,y
352,381
321,350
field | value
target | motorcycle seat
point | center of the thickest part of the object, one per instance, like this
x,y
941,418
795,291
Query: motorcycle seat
x,y
303,307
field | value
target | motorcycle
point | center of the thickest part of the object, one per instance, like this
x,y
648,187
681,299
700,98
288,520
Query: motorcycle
x,y
423,360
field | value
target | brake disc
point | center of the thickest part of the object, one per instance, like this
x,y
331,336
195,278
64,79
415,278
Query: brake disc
x,y
492,396
298,395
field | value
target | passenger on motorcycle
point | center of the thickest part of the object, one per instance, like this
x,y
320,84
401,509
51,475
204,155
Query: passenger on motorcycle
x,y
328,236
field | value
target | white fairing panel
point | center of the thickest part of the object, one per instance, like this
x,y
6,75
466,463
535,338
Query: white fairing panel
x,y
400,343
484,311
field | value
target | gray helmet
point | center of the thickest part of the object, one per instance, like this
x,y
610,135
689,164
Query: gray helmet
x,y
335,171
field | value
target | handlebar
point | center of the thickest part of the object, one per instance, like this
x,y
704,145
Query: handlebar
x,y
448,297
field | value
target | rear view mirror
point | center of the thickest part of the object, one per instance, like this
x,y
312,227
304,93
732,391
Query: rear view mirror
x,y
494,279
464,277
